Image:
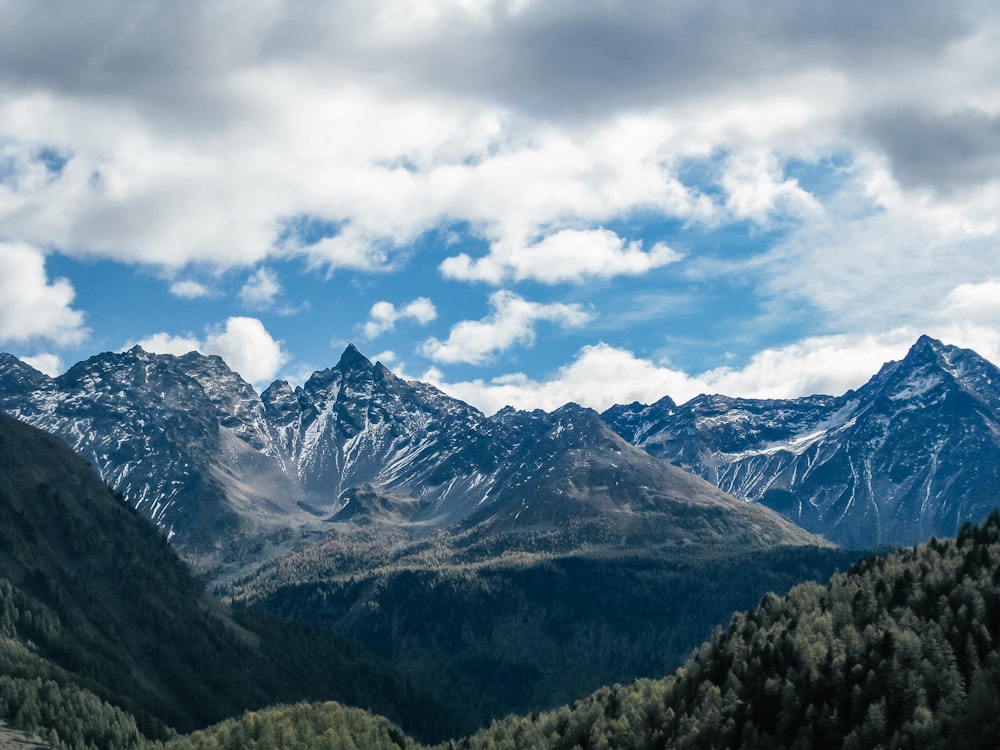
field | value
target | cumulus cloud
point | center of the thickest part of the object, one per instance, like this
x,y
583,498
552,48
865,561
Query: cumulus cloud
x,y
180,151
189,289
512,323
243,343
828,365
599,376
383,315
248,348
969,316
31,306
567,255
757,190
974,303
260,290
50,364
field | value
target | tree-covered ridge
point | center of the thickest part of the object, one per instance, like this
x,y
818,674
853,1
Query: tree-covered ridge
x,y
530,632
901,651
324,726
41,697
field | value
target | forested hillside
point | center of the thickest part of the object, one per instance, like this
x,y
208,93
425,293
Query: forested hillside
x,y
526,632
106,638
899,652
902,651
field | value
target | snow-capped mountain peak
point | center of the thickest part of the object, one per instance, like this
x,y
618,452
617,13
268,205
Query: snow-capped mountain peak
x,y
912,453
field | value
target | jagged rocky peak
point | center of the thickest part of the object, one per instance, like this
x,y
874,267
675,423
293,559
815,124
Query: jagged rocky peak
x,y
913,452
932,370
20,376
352,366
11,364
353,359
279,396
193,446
190,381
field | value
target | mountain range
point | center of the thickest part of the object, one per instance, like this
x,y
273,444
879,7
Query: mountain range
x,y
235,479
914,453
107,641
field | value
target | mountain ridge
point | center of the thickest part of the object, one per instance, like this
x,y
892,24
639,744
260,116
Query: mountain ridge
x,y
236,479
915,452
912,453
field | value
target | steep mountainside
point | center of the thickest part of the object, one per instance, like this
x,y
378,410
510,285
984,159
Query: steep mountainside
x,y
104,633
235,479
913,453
526,629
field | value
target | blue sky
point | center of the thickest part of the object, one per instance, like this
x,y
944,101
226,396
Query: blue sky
x,y
522,202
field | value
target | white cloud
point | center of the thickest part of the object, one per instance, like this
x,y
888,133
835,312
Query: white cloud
x,y
260,289
179,151
243,343
50,364
383,315
166,343
969,316
189,289
977,303
567,255
512,323
756,189
828,365
248,348
601,375
32,307
879,257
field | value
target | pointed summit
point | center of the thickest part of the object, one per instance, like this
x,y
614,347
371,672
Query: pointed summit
x,y
930,362
912,453
927,341
353,359
926,349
